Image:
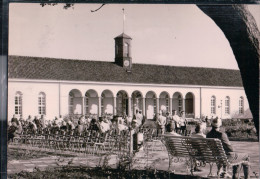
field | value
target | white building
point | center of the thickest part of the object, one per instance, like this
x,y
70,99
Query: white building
x,y
56,87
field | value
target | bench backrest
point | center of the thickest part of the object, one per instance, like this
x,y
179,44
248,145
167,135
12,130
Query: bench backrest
x,y
209,150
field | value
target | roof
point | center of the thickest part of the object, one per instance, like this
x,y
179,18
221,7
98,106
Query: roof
x,y
124,36
23,67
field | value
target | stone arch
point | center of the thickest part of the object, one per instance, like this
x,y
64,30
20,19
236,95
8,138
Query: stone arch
x,y
164,102
136,101
91,102
107,102
150,104
177,101
75,102
189,104
122,104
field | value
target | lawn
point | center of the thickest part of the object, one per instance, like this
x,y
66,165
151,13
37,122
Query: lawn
x,y
149,164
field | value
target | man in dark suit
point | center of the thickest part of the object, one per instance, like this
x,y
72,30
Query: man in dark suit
x,y
232,156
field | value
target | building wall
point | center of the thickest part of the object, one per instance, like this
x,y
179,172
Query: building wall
x,y
221,94
30,92
57,96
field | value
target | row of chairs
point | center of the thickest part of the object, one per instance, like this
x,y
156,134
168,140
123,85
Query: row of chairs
x,y
91,142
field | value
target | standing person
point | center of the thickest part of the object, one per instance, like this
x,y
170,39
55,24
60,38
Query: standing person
x,y
183,122
232,156
177,120
21,120
161,121
168,118
79,128
139,117
60,119
42,121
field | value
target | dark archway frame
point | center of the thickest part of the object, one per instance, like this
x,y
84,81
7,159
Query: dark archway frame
x,y
240,28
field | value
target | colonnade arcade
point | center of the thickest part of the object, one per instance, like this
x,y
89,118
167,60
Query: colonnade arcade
x,y
122,102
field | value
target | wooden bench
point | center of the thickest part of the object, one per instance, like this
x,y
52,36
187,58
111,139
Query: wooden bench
x,y
197,149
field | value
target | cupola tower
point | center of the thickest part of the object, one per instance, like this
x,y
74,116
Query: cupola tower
x,y
123,51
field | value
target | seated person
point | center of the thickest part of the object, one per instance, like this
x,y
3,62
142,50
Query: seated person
x,y
70,127
103,126
171,129
14,130
14,119
93,125
63,127
121,125
199,133
199,130
32,127
55,127
232,156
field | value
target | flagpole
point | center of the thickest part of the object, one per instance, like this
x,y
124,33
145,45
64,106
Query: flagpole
x,y
123,20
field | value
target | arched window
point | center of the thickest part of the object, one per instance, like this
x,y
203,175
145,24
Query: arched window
x,y
71,102
86,103
102,104
241,105
227,105
126,49
213,105
179,103
167,102
154,104
18,102
42,103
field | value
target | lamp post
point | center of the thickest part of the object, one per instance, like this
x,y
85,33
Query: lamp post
x,y
220,106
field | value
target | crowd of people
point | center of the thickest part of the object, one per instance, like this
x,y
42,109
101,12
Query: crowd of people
x,y
165,123
169,124
72,125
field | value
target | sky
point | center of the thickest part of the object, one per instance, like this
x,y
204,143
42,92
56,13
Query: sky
x,y
175,35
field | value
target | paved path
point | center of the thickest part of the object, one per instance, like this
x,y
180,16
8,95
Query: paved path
x,y
153,159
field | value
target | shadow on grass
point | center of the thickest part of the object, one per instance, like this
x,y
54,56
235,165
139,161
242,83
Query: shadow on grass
x,y
96,173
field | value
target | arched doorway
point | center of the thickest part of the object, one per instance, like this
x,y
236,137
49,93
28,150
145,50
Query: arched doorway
x,y
107,102
137,101
177,102
75,102
91,102
151,104
121,103
164,102
189,105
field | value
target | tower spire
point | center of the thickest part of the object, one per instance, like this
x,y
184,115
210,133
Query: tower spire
x,y
123,20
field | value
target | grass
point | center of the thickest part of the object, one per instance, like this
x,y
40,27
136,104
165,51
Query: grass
x,y
23,154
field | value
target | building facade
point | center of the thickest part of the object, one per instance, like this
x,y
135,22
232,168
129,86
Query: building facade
x,y
53,87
